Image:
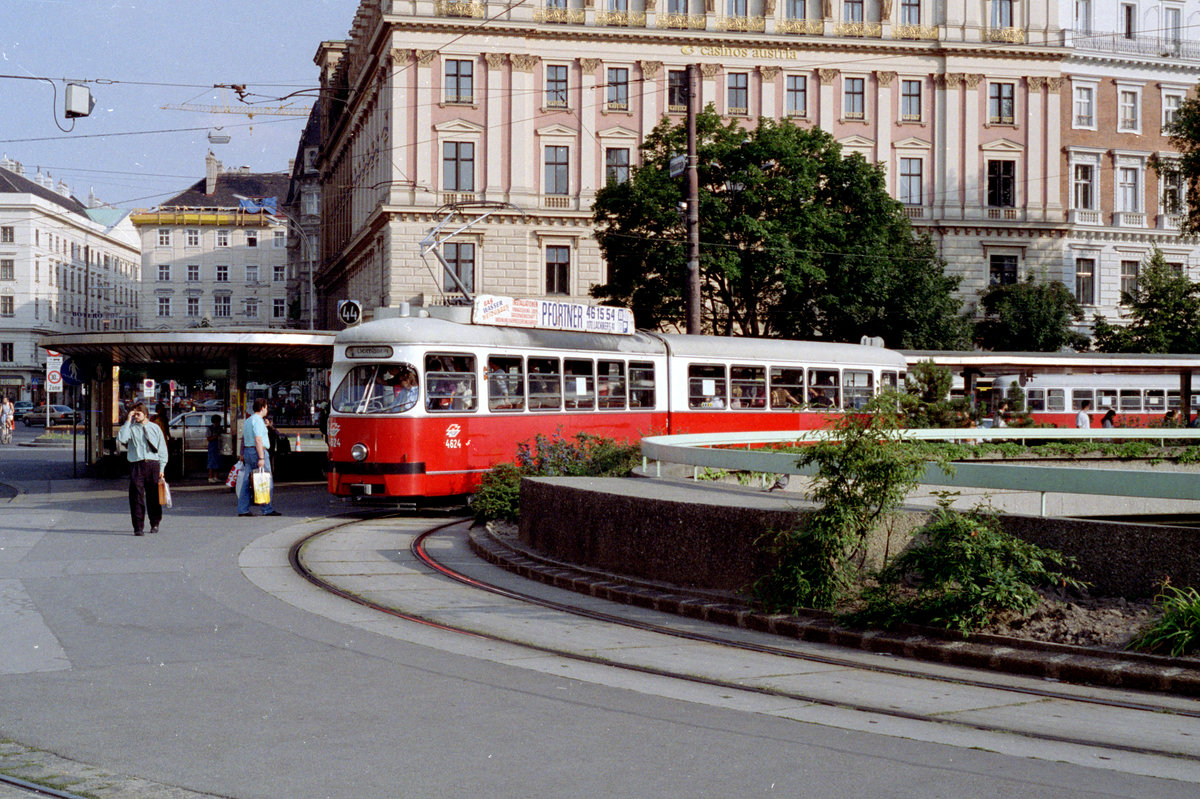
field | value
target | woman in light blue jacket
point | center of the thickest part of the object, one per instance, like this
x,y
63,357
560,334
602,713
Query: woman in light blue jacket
x,y
146,450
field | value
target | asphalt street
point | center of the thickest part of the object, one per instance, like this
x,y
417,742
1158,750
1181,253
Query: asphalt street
x,y
159,659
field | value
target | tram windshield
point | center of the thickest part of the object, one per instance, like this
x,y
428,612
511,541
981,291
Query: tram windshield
x,y
377,388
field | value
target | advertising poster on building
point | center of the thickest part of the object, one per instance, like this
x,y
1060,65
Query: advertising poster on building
x,y
552,315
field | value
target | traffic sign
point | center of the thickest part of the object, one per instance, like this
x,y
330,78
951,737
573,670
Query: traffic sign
x,y
54,363
149,388
350,312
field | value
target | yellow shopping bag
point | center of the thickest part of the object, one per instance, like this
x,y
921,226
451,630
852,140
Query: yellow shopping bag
x,y
262,487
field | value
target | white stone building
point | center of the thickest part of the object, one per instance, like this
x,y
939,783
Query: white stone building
x,y
64,268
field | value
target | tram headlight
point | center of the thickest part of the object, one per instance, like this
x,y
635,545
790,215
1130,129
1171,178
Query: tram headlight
x,y
359,452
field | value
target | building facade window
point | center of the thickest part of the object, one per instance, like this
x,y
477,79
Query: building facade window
x,y
222,275
278,273
251,308
616,164
1085,107
7,234
736,8
1001,183
1128,20
1002,269
910,12
618,89
737,101
1001,103
251,238
279,239
854,98
460,81
193,273
251,273
164,237
1173,24
852,10
222,306
1083,16
8,270
458,166
794,9
911,182
910,101
164,273
222,238
193,307
557,170
164,306
193,237
460,256
796,96
558,269
1083,179
1002,13
556,86
7,305
1128,189
1129,279
278,308
1170,106
6,352
1085,277
1171,181
677,91
1128,111
677,6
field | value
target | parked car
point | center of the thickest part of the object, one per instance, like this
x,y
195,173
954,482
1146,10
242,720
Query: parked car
x,y
192,427
59,414
20,408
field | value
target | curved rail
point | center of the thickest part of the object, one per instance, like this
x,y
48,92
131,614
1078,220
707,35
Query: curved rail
x,y
718,451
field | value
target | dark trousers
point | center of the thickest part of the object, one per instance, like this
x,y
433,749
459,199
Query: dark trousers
x,y
143,493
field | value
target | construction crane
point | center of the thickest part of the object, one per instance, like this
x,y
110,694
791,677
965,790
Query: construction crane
x,y
248,111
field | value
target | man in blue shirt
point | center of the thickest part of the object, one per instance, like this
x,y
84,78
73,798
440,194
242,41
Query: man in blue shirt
x,y
254,456
146,451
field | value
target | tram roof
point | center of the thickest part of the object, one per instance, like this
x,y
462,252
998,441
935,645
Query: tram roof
x,y
435,332
197,346
1001,363
772,349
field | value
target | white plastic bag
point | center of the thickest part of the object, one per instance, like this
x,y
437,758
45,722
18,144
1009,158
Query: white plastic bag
x,y
262,487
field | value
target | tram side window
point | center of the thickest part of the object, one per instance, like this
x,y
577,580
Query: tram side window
x,y
1131,400
641,384
1106,399
1035,399
1156,401
858,388
1080,396
377,388
1056,399
748,387
506,384
1195,401
579,385
610,385
823,388
706,385
1173,400
449,383
545,384
787,388
888,381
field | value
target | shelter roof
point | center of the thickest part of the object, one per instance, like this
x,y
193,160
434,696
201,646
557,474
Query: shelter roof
x,y
200,346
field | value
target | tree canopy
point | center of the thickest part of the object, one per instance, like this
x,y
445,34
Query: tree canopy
x,y
1029,317
1185,135
797,241
1163,312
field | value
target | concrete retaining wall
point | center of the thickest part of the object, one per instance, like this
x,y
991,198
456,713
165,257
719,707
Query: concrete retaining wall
x,y
703,536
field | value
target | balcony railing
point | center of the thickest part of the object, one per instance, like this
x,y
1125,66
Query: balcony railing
x,y
563,16
859,30
456,8
1129,219
737,111
556,201
695,22
929,32
746,24
1007,35
1084,216
914,212
449,198
1009,214
809,27
621,19
1154,46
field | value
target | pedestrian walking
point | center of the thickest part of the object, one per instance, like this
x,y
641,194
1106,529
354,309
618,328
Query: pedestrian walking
x,y
1082,419
7,420
146,451
255,439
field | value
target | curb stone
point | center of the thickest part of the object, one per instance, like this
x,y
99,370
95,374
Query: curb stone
x,y
50,770
1049,661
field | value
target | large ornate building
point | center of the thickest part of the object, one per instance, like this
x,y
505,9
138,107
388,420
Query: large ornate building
x,y
65,267
977,110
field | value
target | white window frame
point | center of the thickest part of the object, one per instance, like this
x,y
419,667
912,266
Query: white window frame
x,y
223,306
1133,90
1175,94
920,115
223,237
1125,161
164,237
278,308
164,303
1092,89
192,238
845,113
901,194
788,112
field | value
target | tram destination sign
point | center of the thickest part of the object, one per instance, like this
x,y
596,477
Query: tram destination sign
x,y
552,315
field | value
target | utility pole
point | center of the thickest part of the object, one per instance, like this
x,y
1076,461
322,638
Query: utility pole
x,y
693,203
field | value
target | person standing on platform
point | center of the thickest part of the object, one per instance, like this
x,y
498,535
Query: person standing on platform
x,y
254,455
146,451
214,448
1082,419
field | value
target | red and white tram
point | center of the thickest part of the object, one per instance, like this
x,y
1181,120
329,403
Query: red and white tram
x,y
425,406
1140,400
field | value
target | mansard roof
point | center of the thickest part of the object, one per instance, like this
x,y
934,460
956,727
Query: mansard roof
x,y
229,186
12,183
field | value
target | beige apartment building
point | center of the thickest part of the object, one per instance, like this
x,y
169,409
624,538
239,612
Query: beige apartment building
x,y
967,104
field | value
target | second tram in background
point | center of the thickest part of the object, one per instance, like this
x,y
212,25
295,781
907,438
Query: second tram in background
x,y
423,407
1139,400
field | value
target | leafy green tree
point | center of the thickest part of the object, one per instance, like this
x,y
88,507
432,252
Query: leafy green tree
x,y
797,241
1030,316
1163,313
1185,135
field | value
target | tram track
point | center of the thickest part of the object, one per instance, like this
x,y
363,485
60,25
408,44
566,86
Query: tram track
x,y
1160,711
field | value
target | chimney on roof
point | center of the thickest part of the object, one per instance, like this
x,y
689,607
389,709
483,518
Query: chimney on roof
x,y
212,168
63,189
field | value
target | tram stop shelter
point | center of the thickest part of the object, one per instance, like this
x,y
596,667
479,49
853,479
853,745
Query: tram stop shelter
x,y
231,358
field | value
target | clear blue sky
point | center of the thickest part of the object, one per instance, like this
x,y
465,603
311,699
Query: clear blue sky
x,y
268,45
